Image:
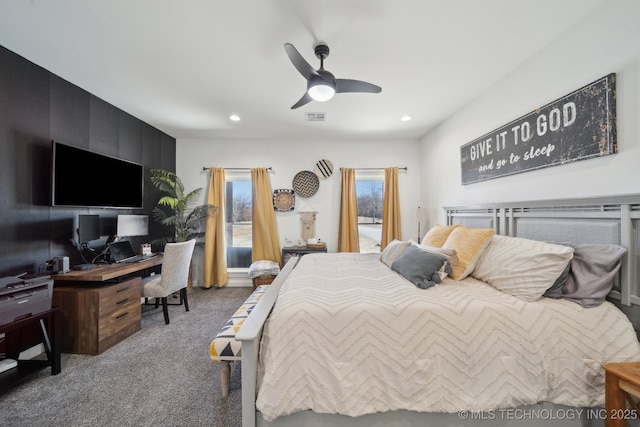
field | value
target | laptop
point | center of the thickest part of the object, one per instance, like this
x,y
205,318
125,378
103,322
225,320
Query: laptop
x,y
121,251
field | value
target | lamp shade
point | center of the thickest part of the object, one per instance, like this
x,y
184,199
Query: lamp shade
x,y
320,89
421,214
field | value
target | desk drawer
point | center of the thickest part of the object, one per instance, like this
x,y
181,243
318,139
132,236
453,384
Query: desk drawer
x,y
120,313
113,298
119,324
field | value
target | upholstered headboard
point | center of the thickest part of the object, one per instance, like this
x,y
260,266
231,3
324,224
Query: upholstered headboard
x,y
610,219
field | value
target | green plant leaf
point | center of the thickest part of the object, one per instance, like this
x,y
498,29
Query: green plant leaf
x,y
185,221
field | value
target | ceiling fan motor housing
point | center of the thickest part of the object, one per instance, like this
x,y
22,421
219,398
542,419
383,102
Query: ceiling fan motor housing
x,y
321,51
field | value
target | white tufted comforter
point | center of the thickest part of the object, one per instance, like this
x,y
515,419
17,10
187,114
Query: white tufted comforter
x,y
348,335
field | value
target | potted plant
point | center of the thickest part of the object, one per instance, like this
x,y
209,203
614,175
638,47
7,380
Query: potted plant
x,y
184,218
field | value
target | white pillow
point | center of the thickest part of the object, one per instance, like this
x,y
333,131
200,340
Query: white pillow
x,y
392,251
449,254
521,267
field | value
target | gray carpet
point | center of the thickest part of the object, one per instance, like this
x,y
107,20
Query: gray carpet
x,y
159,376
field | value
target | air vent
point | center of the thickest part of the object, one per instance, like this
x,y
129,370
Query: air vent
x,y
315,117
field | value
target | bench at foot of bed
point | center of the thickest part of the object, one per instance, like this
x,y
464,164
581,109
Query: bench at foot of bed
x,y
224,347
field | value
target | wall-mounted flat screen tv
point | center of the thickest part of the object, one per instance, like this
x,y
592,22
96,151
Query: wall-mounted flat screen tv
x,y
84,178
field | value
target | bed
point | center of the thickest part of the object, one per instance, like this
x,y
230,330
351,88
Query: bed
x,y
344,339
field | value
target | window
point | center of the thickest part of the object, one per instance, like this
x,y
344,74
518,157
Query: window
x,y
238,221
369,196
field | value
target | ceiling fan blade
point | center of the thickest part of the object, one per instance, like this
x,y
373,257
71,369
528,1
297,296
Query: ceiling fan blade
x,y
304,100
299,62
348,85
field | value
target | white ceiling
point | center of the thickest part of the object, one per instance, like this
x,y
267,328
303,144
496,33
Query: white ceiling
x,y
185,66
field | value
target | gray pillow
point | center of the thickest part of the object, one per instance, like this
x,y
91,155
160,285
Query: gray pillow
x,y
420,267
555,291
592,273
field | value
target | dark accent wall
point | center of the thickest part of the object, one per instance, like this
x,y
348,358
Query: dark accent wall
x,y
37,107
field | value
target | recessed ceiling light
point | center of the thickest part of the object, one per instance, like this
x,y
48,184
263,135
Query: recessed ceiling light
x,y
234,117
405,118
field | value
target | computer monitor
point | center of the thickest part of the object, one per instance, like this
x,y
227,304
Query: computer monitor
x,y
88,228
132,225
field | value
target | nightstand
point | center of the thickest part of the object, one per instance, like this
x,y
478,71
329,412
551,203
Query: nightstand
x,y
288,252
622,381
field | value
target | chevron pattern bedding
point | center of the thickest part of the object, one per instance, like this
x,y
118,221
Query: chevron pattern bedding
x,y
348,335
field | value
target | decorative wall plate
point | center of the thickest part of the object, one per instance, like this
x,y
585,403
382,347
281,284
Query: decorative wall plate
x,y
324,168
306,183
284,200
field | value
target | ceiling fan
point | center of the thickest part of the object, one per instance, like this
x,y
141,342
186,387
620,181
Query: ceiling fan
x,y
321,84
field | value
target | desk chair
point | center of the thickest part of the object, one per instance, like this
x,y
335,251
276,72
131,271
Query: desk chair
x,y
173,276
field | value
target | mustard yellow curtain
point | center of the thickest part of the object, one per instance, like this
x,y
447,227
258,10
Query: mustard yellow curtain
x,y
215,256
348,240
266,243
391,228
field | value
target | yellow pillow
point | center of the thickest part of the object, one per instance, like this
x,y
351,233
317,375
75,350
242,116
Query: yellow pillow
x,y
469,244
437,235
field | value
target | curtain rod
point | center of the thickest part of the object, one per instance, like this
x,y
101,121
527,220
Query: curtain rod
x,y
404,168
204,168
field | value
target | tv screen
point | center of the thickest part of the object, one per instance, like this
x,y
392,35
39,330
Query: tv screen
x,y
84,178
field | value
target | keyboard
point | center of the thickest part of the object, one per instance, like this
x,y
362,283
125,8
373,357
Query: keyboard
x,y
138,258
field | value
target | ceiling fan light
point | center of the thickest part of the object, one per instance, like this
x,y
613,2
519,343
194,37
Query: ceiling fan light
x,y
321,90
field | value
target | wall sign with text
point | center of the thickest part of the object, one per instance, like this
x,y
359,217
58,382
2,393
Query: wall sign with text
x,y
578,126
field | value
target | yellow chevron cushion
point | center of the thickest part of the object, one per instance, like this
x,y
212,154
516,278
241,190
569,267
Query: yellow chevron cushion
x,y
224,346
469,244
437,235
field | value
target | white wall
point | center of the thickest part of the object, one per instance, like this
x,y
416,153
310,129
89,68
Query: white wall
x,y
604,42
288,157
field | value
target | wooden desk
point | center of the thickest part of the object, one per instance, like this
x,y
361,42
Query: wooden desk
x,y
622,380
106,272
100,307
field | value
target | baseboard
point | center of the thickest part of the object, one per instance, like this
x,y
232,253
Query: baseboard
x,y
237,278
